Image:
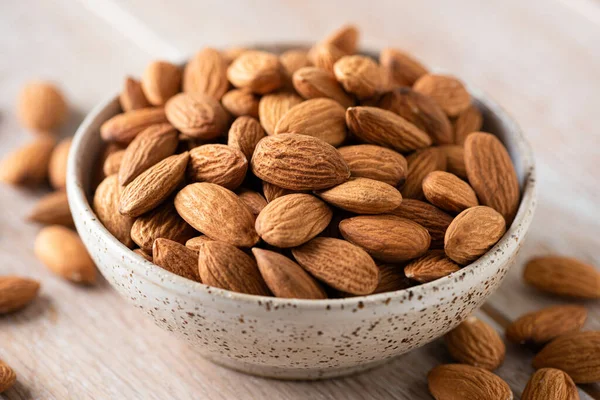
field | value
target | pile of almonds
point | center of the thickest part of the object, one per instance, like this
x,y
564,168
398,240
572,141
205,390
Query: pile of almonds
x,y
311,174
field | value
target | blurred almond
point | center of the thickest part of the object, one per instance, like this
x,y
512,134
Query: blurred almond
x,y
468,121
197,115
312,83
430,217
244,135
447,91
161,81
162,222
175,258
52,209
359,75
15,293
420,164
42,106
448,192
106,205
219,164
344,38
112,164
293,60
375,162
272,192
404,70
563,276
433,265
363,196
549,323
123,128
460,382
28,165
274,106
7,377
132,96
231,53
257,71
143,254
455,160
241,102
325,55
57,167
206,74
195,242
550,383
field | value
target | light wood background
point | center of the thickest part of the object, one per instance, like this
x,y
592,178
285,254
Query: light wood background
x,y
539,58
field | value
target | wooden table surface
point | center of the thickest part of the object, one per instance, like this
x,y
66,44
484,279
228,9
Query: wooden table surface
x,y
539,58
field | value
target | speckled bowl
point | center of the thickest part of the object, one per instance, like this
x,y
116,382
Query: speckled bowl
x,y
297,339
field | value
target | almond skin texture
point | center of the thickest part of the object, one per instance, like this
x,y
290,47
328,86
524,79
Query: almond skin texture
x,y
206,74
272,192
150,146
392,278
292,220
577,354
274,106
106,205
384,128
544,325
253,200
550,383
433,265
219,164
162,222
446,90
16,292
153,186
344,38
465,382
340,264
7,377
476,343
218,213
363,196
359,75
195,242
325,55
52,209
420,164
112,164
312,83
563,276
299,162
198,116
421,111
387,237
27,165
455,160
161,81
241,102
448,192
321,118
132,96
404,70
468,121
472,233
257,71
123,128
375,162
57,167
176,258
223,266
492,174
61,250
41,106
285,278
430,217
244,135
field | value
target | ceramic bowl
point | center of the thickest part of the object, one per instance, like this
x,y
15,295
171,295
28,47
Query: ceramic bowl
x,y
290,338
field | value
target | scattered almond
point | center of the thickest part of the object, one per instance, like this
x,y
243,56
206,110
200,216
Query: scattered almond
x,y
563,276
7,377
460,382
550,383
42,106
52,209
28,165
549,323
15,293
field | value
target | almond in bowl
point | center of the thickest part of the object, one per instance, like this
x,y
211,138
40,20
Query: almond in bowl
x,y
302,213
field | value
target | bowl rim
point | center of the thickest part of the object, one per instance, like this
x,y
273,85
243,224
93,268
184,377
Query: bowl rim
x,y
78,201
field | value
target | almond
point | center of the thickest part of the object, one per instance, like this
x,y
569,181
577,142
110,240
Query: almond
x,y
175,258
293,60
472,233
344,38
387,237
359,75
231,53
577,354
340,264
7,377
132,96
150,146
384,128
218,213
123,128
161,81
98,174
219,164
106,205
162,222
292,220
57,167
143,254
153,186
285,278
421,111
448,192
460,382
195,242
363,196
563,276
253,200
274,106
272,192
468,121
299,162
550,383
447,91
52,209
430,217
61,250
206,74
198,116
492,174
41,106
375,162
223,266
257,71
27,165
433,265
544,325
404,70
244,135
325,55
420,164
16,292
312,83
321,118
241,102
112,164
476,343
392,278
455,160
